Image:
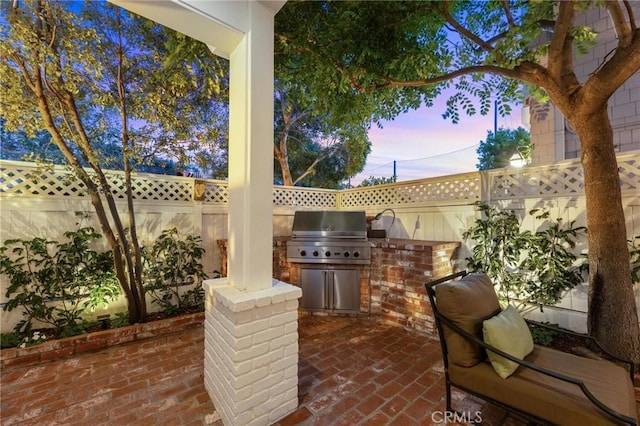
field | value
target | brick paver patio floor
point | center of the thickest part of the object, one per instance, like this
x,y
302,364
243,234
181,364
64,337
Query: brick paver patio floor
x,y
364,372
351,372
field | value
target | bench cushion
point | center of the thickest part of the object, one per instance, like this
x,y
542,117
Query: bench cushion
x,y
551,399
467,302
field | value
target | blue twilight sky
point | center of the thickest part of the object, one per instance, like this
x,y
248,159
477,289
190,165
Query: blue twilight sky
x,y
424,144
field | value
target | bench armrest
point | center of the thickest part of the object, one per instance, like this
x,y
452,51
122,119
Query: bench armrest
x,y
629,363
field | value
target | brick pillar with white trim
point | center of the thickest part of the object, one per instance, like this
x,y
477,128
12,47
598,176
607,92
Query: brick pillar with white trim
x,y
251,352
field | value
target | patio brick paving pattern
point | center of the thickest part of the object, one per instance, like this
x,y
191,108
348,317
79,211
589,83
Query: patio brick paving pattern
x,y
157,381
351,372
365,372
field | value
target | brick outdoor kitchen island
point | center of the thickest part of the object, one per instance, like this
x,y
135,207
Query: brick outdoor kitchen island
x,y
392,286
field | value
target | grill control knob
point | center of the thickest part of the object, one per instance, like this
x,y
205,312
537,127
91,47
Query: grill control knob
x,y
315,253
346,254
303,252
356,254
328,253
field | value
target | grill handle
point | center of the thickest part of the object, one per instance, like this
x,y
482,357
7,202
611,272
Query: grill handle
x,y
325,283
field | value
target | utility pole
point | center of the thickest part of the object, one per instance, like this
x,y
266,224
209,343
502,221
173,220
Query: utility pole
x,y
394,171
495,118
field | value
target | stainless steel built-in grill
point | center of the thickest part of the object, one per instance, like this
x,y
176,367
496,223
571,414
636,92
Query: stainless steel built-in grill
x,y
329,237
333,243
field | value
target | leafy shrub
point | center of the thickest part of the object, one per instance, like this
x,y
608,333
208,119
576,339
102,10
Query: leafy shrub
x,y
121,320
12,339
527,267
549,264
56,282
33,339
173,272
544,336
498,245
74,329
9,340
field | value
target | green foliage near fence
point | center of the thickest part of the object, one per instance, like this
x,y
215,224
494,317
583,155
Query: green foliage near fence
x,y
172,264
58,283
528,268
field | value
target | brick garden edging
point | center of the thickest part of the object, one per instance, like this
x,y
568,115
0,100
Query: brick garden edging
x,y
54,349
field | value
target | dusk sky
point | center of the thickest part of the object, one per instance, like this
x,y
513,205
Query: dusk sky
x,y
423,144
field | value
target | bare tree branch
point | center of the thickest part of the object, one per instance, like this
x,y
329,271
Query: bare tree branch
x,y
309,170
331,148
524,71
25,73
444,12
53,36
507,12
497,37
618,16
632,18
558,45
624,62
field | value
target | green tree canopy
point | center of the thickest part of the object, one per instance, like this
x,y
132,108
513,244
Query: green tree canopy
x,y
374,180
499,147
371,60
315,148
91,75
185,132
377,59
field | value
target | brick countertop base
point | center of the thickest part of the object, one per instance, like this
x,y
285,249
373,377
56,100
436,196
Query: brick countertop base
x,y
54,349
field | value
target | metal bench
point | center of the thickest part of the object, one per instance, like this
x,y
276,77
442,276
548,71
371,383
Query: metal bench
x,y
548,386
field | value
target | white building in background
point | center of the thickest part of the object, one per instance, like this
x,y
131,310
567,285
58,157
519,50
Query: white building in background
x,y
551,135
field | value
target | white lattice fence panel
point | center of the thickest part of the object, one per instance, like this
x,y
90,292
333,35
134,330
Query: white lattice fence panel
x,y
456,188
557,180
537,182
153,187
629,171
25,179
372,196
309,198
216,193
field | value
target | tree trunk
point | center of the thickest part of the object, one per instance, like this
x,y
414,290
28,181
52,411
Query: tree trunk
x,y
43,105
283,160
133,256
612,316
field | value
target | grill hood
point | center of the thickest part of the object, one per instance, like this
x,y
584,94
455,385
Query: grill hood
x,y
329,237
329,224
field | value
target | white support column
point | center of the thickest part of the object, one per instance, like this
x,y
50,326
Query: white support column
x,y
251,154
251,320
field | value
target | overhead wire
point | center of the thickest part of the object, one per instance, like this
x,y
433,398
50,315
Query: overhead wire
x,y
390,163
